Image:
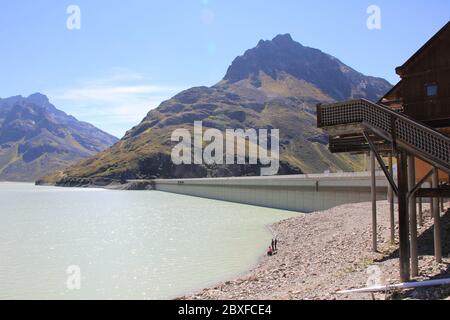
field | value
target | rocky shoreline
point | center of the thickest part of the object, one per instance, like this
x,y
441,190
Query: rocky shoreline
x,y
324,252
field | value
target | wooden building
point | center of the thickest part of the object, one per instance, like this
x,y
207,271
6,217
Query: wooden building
x,y
424,89
411,123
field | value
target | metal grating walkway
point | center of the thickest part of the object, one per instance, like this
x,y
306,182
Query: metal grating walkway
x,y
406,133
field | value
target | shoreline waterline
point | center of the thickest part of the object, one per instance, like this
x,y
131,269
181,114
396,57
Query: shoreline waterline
x,y
129,245
328,251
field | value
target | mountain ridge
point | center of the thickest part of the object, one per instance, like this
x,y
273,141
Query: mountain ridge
x,y
36,138
273,85
282,53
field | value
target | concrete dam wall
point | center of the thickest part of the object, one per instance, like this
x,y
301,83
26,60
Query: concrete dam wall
x,y
302,193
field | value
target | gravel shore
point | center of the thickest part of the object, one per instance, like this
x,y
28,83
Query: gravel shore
x,y
324,252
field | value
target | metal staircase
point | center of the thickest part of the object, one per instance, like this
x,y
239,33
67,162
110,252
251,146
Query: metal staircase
x,y
348,121
402,131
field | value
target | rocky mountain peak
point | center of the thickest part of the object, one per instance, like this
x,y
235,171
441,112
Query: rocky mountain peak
x,y
283,56
38,99
276,84
36,138
281,40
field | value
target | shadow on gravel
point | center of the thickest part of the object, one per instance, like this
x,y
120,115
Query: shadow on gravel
x,y
426,248
426,240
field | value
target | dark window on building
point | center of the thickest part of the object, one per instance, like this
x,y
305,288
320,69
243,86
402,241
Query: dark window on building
x,y
432,90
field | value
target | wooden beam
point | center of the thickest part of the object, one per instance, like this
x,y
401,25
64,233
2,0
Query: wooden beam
x,y
374,201
381,163
434,193
391,201
420,212
412,217
421,182
319,115
437,219
403,216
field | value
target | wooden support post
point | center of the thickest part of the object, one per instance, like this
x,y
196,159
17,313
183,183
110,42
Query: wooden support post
x,y
437,219
391,201
433,193
412,217
373,190
431,204
403,216
420,212
448,199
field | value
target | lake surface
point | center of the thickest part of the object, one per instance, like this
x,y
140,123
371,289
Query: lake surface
x,y
126,244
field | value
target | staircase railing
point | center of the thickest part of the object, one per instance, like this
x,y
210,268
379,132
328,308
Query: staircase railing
x,y
406,133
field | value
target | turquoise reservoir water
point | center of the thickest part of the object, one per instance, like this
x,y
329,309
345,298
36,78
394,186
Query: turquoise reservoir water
x,y
126,244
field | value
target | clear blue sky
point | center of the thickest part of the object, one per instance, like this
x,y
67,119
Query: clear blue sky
x,y
130,55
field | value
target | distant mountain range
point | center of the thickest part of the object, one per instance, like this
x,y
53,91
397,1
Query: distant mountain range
x,y
274,85
36,138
